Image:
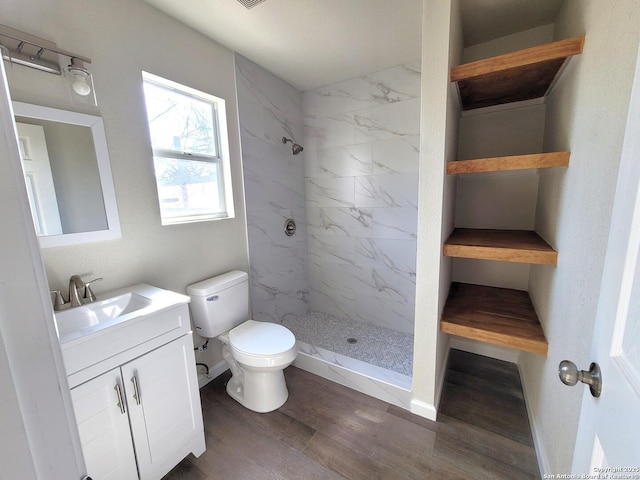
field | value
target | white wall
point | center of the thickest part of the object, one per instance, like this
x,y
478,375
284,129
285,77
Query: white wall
x,y
122,38
441,49
270,109
508,43
361,154
586,115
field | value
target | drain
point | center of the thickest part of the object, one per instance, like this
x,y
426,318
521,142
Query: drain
x,y
352,340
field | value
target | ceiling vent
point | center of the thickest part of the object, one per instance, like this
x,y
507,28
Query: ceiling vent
x,y
250,3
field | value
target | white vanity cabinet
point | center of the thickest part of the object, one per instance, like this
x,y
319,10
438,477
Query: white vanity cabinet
x,y
138,410
104,429
150,405
161,390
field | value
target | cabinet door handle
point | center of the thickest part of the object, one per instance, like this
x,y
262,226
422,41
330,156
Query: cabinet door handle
x,y
123,409
136,390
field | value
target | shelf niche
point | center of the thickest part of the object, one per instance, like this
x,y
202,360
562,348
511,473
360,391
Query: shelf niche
x,y
500,316
518,76
503,316
520,246
509,163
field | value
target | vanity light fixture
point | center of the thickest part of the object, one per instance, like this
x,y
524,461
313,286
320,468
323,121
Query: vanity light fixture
x,y
80,83
30,51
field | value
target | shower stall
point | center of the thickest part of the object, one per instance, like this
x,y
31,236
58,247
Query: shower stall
x,y
332,219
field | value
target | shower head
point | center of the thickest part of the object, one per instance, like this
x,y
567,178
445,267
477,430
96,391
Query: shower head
x,y
295,148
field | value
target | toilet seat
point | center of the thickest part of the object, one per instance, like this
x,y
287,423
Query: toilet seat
x,y
262,344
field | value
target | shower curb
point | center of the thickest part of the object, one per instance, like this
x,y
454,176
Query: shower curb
x,y
380,383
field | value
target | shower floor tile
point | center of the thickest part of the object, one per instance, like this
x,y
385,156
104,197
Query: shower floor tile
x,y
373,344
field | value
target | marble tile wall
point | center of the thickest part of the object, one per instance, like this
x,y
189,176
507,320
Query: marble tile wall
x,y
274,185
361,140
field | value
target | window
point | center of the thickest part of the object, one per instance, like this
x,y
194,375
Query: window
x,y
188,132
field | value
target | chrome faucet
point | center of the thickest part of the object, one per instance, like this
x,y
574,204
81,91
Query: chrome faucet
x,y
76,283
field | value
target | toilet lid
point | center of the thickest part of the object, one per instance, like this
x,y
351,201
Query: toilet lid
x,y
261,338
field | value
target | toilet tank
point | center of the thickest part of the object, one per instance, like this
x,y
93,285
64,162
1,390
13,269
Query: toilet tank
x,y
220,303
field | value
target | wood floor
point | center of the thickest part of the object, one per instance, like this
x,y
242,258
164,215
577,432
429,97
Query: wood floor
x,y
326,431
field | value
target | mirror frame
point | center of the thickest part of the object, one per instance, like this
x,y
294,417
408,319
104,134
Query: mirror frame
x,y
104,168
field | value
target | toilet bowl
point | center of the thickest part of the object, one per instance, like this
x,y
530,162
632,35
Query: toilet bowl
x,y
256,352
261,352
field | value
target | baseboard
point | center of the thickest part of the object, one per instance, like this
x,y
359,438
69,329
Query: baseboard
x,y
424,409
485,349
541,452
215,371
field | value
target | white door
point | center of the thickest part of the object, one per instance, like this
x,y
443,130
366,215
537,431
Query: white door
x,y
608,440
164,407
101,413
39,179
38,435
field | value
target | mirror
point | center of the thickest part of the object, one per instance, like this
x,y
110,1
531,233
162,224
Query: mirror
x,y
67,175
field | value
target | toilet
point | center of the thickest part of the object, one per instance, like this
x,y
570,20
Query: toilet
x,y
257,352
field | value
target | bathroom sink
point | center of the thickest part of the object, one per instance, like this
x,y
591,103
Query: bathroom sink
x,y
116,326
79,321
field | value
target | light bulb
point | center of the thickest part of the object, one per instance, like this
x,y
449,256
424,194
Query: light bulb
x,y
80,85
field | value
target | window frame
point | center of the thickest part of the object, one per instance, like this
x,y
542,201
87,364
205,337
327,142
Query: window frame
x,y
222,159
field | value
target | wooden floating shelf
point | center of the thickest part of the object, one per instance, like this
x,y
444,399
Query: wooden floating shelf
x,y
514,162
522,246
513,77
500,316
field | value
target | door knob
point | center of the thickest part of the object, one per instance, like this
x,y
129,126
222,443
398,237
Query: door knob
x,y
570,375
